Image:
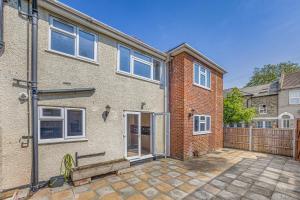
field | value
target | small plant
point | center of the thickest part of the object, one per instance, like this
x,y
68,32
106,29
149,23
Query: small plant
x,y
66,166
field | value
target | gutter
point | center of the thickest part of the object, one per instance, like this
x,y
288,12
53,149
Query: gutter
x,y
184,47
2,44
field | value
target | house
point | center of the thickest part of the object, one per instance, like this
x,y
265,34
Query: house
x,y
289,100
101,92
277,104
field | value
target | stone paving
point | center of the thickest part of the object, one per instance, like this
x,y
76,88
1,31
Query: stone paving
x,y
225,174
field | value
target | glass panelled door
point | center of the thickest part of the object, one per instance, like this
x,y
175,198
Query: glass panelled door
x,y
133,132
161,134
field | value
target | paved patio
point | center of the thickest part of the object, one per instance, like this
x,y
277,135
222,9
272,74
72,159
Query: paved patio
x,y
225,174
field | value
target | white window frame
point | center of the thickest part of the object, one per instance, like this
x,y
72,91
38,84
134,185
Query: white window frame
x,y
64,119
290,97
202,73
66,123
75,35
134,58
201,121
261,110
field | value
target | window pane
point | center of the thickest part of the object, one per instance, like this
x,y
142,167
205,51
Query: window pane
x,y
202,69
63,26
208,78
196,74
51,129
86,44
268,124
202,126
51,112
196,123
74,123
202,118
202,80
295,101
207,123
142,69
142,56
61,42
124,59
156,70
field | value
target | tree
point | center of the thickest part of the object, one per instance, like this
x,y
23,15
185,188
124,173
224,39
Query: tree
x,y
235,110
270,72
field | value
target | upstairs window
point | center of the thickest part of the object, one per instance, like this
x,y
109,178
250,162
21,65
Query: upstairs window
x,y
262,109
138,64
202,76
202,124
71,40
294,97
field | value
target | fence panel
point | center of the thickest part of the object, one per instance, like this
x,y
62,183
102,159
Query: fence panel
x,y
237,138
266,140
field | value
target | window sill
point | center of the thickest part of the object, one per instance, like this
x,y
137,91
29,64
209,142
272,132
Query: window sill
x,y
202,133
63,141
72,57
137,77
206,88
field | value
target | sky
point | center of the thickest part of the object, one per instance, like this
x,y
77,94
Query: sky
x,y
239,35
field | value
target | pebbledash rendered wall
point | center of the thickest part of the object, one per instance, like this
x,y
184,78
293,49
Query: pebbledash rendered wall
x,y
54,70
184,96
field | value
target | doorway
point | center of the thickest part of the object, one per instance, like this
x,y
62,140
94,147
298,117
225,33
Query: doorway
x,y
138,135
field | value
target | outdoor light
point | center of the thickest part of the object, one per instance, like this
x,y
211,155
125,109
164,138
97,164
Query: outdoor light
x,y
142,105
191,113
106,112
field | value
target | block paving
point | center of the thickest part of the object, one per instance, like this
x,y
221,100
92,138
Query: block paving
x,y
225,174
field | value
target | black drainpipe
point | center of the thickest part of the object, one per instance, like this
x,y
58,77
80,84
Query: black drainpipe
x,y
34,98
1,28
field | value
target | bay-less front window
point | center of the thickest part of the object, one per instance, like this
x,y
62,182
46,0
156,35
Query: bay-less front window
x,y
138,64
71,40
59,124
202,76
294,97
202,124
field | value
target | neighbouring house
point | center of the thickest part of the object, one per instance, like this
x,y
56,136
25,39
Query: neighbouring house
x,y
100,92
289,100
277,103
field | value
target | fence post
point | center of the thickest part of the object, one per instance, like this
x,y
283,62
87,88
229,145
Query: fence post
x,y
294,143
250,138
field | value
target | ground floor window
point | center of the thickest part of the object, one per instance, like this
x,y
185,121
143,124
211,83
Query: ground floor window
x,y
60,123
202,124
264,124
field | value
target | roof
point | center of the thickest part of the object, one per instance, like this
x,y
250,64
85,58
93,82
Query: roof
x,y
258,91
291,80
185,47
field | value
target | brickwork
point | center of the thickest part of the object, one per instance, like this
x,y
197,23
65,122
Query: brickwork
x,y
185,96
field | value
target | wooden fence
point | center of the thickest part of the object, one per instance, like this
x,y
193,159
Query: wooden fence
x,y
266,140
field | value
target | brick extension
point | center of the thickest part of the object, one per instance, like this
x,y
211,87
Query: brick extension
x,y
184,96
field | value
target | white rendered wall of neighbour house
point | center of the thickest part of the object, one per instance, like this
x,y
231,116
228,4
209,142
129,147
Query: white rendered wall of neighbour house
x,y
119,91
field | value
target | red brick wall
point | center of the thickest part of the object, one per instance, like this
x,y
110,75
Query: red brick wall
x,y
185,96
